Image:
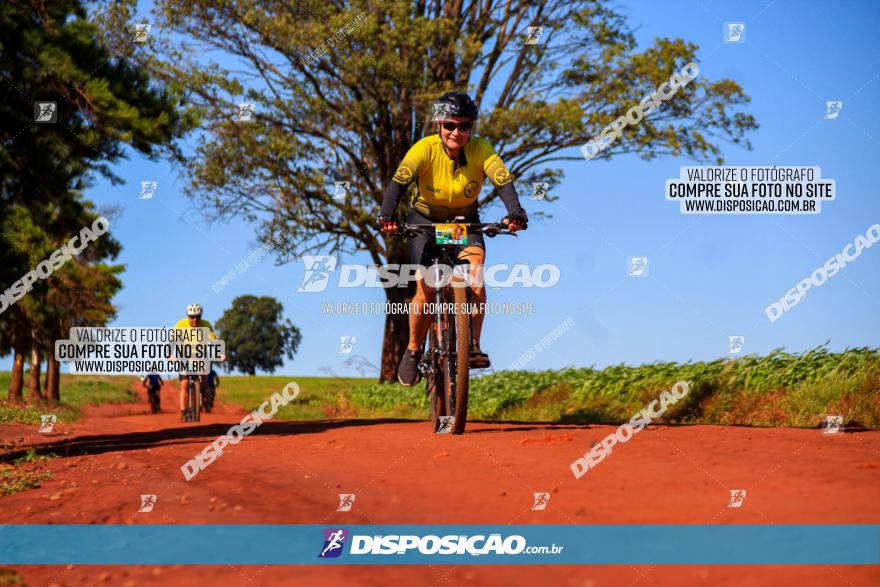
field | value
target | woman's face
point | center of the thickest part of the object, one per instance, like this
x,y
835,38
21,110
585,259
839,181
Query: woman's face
x,y
454,139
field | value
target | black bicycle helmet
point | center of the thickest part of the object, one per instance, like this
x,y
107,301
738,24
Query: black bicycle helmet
x,y
460,104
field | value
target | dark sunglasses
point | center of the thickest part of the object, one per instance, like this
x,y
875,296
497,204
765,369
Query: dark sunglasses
x,y
464,127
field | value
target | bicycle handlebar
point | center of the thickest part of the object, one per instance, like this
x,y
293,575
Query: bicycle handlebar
x,y
490,229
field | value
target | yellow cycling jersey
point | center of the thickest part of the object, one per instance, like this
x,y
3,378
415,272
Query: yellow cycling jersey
x,y
202,324
443,187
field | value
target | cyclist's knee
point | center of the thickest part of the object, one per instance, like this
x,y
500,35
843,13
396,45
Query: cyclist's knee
x,y
424,292
420,297
473,254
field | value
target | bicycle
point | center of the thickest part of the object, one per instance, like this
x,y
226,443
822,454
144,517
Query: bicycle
x,y
153,393
208,399
445,366
153,384
194,398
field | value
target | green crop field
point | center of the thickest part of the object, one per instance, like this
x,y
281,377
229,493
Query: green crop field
x,y
780,389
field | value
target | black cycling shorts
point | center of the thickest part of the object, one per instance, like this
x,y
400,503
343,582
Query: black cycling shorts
x,y
423,248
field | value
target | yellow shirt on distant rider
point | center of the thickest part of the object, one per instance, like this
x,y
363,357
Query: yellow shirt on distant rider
x,y
442,187
202,324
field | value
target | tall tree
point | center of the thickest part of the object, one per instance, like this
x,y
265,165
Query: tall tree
x,y
76,294
342,90
256,334
54,52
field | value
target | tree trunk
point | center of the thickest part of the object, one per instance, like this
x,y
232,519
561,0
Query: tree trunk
x,y
53,372
16,382
36,393
396,324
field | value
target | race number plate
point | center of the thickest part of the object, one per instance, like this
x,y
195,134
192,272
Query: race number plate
x,y
450,234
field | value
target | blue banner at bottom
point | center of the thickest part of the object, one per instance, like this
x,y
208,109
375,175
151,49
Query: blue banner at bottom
x,y
630,544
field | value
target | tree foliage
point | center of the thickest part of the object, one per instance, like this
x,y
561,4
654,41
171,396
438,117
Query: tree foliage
x,y
54,52
256,334
351,113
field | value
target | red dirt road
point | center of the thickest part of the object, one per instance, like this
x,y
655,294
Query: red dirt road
x,y
292,472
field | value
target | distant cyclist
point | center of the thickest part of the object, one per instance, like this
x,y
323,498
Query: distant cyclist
x,y
443,174
152,382
211,386
193,320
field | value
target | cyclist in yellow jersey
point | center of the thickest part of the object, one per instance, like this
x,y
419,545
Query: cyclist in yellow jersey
x,y
193,320
442,175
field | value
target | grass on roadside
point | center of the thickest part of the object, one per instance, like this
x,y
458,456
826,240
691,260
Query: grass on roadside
x,y
24,473
319,397
10,578
76,391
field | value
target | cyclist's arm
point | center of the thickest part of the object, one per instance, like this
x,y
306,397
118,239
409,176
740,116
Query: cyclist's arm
x,y
508,195
407,172
211,334
497,173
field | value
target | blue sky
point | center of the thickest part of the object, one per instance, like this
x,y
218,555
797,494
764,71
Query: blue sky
x,y
709,276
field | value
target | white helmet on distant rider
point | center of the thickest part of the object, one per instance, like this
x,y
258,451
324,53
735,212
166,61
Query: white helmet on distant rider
x,y
194,311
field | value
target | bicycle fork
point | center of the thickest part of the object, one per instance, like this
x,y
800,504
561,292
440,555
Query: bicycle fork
x,y
438,323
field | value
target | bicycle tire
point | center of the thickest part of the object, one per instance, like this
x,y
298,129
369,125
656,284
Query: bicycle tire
x,y
457,405
435,398
446,381
195,398
435,382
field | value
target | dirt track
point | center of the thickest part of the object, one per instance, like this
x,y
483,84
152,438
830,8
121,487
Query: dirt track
x,y
292,472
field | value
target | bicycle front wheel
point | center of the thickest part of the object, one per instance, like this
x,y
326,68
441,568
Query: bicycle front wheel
x,y
195,398
457,370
